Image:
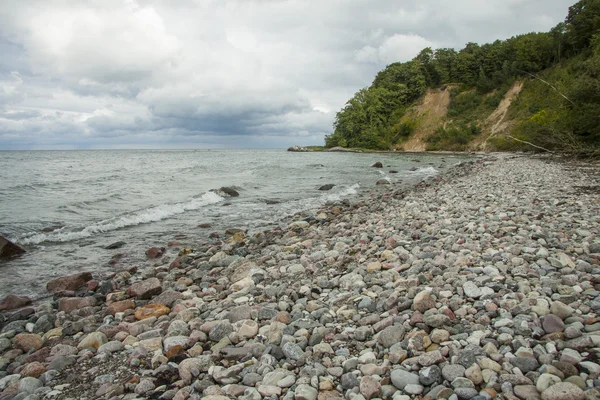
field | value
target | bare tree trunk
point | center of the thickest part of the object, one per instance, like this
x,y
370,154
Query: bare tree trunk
x,y
531,144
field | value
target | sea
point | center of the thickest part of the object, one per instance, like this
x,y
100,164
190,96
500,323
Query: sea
x,y
66,207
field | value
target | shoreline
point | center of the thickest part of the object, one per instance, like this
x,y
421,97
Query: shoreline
x,y
477,282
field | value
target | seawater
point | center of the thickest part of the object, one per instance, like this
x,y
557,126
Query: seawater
x,y
64,207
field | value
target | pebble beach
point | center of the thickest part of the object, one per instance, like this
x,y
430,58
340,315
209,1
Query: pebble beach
x,y
481,283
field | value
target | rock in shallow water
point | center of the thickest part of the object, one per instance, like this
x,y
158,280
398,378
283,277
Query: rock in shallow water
x,y
69,282
9,249
12,302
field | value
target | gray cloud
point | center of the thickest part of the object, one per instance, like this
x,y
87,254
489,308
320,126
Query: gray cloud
x,y
233,73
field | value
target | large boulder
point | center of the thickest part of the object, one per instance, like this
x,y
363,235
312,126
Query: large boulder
x,y
377,165
12,302
9,249
69,282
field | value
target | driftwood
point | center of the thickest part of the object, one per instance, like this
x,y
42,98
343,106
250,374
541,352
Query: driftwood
x,y
529,143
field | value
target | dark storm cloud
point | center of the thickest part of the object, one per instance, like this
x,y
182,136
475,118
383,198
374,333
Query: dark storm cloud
x,y
126,73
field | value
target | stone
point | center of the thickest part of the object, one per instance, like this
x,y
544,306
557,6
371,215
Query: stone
x,y
115,245
29,385
229,191
155,252
452,371
151,344
473,373
329,186
275,332
28,342
59,363
431,358
269,390
145,289
151,310
120,306
9,249
239,313
561,310
400,378
525,364
68,304
553,323
34,369
305,392
93,340
69,282
413,389
168,298
192,367
471,290
527,392
423,301
369,387
220,330
436,320
430,375
145,386
391,335
111,347
12,302
292,351
349,381
439,336
248,329
563,391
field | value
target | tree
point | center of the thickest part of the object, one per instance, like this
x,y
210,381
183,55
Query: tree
x,y
445,64
583,22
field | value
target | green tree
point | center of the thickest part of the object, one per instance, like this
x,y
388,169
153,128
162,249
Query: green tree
x,y
583,22
445,64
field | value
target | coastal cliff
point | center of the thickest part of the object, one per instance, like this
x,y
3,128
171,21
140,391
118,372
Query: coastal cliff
x,y
537,91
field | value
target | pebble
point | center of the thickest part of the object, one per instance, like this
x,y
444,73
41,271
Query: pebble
x,y
477,284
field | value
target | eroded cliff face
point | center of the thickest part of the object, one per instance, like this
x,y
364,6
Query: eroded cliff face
x,y
431,113
498,123
428,114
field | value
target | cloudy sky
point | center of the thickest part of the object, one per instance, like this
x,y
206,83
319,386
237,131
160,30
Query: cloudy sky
x,y
217,73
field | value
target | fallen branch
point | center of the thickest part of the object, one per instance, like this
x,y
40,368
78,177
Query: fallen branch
x,y
531,144
547,83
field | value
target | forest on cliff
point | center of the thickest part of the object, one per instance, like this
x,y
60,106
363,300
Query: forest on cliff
x,y
558,107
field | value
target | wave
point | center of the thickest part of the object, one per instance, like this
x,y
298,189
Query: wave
x,y
62,182
349,191
85,203
426,170
145,216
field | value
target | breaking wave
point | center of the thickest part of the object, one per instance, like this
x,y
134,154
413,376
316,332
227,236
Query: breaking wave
x,y
152,214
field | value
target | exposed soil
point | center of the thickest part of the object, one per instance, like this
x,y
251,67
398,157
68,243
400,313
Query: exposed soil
x,y
429,115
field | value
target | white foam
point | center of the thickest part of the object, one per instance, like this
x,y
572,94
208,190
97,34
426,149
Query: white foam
x,y
349,191
427,170
145,216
